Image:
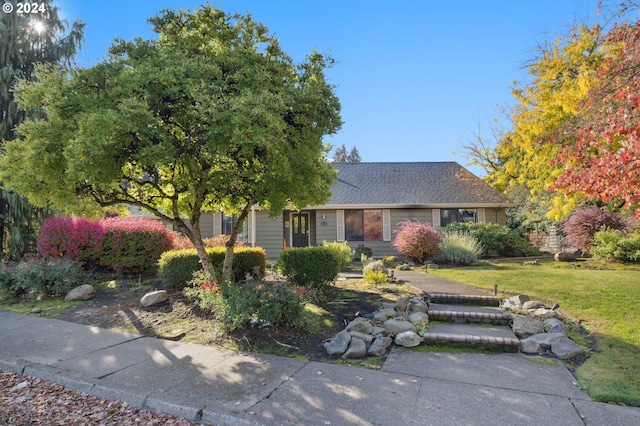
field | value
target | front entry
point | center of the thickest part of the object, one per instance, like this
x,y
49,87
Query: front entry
x,y
300,229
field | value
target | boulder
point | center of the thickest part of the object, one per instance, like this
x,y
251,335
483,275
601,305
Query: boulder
x,y
564,257
408,339
554,325
36,310
419,317
357,349
83,292
519,300
379,346
365,337
361,325
565,348
525,326
401,305
544,312
532,304
379,331
339,344
417,305
154,298
381,316
396,327
530,346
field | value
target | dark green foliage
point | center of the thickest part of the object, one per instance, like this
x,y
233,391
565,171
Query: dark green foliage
x,y
176,267
616,245
35,277
313,267
505,242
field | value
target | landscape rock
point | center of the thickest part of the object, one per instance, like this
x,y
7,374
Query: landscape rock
x,y
565,348
544,312
36,311
365,337
530,346
83,292
408,339
524,326
418,305
564,257
401,305
339,344
419,317
554,325
357,349
379,331
381,316
396,327
379,346
519,300
532,304
361,325
154,298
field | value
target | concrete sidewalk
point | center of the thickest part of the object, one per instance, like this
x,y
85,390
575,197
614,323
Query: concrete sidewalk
x,y
203,383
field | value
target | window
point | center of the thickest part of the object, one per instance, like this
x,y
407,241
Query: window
x,y
363,225
448,216
228,222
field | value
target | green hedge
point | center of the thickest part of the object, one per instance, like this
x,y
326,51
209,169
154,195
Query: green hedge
x,y
616,245
504,241
176,267
313,267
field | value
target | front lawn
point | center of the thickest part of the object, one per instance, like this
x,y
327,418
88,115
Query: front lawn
x,y
606,301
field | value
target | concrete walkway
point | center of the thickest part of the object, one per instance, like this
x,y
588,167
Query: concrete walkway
x,y
204,383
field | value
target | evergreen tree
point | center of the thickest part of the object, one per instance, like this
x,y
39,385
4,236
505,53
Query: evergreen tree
x,y
354,156
27,40
340,154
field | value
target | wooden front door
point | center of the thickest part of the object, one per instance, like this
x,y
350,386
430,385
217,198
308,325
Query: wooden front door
x,y
300,229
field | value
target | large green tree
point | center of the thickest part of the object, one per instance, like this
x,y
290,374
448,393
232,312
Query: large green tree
x,y
211,115
27,40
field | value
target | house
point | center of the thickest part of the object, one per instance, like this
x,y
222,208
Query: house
x,y
368,202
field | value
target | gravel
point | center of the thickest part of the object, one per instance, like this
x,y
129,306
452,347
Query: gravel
x,y
27,400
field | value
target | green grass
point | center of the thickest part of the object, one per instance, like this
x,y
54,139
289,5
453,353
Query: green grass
x,y
605,301
51,307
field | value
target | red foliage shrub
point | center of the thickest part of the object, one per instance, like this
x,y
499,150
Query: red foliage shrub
x,y
133,244
73,238
417,240
581,227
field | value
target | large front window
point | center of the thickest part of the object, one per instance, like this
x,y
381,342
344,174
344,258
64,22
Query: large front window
x,y
448,216
228,222
363,225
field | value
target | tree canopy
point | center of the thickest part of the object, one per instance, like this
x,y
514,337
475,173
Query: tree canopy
x,y
212,115
25,41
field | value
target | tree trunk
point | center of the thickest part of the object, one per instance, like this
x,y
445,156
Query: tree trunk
x,y
195,237
227,266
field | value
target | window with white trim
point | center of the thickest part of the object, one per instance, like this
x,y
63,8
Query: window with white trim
x,y
363,225
448,216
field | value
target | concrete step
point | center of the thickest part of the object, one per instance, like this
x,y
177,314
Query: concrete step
x,y
463,299
462,314
494,337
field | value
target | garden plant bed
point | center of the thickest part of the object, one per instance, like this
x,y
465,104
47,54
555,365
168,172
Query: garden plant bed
x,y
116,306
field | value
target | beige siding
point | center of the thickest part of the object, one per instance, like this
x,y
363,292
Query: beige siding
x,y
327,228
206,225
495,216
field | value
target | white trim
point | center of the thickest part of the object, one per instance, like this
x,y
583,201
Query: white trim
x,y
386,225
252,227
217,224
435,217
340,225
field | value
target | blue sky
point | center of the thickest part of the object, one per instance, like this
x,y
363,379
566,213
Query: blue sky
x,y
416,79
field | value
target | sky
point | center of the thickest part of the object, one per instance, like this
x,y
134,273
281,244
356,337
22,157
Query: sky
x,y
417,79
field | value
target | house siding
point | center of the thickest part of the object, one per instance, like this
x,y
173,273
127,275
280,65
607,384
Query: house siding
x,y
269,233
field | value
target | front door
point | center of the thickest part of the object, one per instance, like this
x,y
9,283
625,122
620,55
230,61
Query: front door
x,y
300,229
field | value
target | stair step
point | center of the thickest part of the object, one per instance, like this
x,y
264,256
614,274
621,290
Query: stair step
x,y
472,339
468,316
463,299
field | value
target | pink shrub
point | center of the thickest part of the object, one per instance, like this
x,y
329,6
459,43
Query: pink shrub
x,y
73,238
582,226
133,244
417,240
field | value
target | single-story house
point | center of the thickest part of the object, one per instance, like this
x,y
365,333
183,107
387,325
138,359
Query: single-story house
x,y
368,202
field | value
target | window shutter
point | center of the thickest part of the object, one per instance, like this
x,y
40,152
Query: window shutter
x,y
481,216
340,225
435,217
217,224
386,225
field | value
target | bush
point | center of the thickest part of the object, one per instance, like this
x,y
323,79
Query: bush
x,y
77,239
582,226
251,302
460,248
36,277
176,267
181,242
362,252
502,240
616,245
417,240
375,272
342,250
313,267
133,244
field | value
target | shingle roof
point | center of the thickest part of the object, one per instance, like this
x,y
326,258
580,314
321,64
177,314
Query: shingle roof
x,y
411,184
